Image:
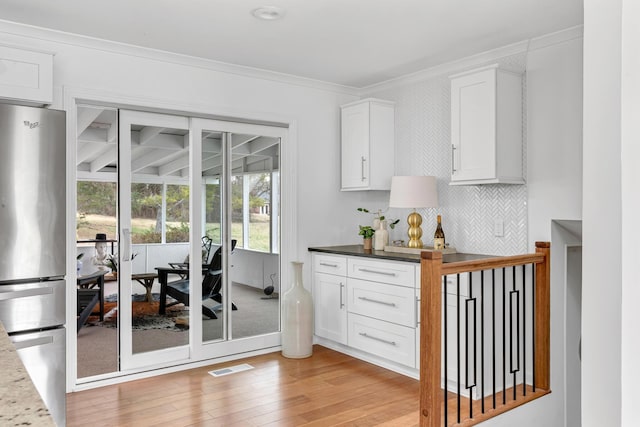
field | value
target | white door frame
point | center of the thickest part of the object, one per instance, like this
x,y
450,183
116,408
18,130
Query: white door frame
x,y
72,96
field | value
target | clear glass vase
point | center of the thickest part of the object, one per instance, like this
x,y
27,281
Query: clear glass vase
x,y
297,318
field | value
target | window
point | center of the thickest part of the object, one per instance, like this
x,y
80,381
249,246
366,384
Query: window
x,y
146,213
96,210
177,202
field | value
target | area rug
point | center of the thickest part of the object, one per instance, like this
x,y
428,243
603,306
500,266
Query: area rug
x,y
144,314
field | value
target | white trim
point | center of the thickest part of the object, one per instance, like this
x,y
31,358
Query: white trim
x,y
49,35
476,60
558,37
71,277
102,381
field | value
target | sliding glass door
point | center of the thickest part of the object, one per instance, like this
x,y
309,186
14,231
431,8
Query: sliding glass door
x,y
155,199
194,236
240,169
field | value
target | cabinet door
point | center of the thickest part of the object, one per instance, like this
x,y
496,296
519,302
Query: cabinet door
x,y
473,126
355,146
26,76
329,306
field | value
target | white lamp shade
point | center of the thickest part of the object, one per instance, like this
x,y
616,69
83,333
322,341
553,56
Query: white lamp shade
x,y
413,192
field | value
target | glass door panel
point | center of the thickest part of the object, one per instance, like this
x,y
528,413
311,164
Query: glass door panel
x,y
155,196
239,171
254,279
96,238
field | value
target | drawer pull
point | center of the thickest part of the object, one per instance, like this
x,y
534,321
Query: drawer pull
x,y
384,273
393,343
326,264
390,304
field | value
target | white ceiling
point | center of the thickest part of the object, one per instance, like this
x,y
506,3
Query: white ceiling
x,y
349,42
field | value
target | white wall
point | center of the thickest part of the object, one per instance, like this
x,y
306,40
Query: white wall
x,y
554,126
610,287
602,215
630,210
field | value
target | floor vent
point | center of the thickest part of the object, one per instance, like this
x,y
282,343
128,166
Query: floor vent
x,y
230,370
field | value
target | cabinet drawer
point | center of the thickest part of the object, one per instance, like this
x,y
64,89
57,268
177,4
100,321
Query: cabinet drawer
x,y
330,264
384,339
392,303
402,274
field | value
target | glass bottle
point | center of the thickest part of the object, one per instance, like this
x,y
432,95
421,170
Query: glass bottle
x,y
438,236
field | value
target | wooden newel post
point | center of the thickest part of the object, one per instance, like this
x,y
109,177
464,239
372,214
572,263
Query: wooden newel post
x,y
542,318
431,396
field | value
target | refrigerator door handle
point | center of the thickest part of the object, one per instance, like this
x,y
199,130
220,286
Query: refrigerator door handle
x,y
7,295
126,250
33,342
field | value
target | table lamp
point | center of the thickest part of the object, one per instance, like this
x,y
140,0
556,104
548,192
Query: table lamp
x,y
414,192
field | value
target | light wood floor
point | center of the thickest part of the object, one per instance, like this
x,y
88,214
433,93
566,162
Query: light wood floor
x,y
328,389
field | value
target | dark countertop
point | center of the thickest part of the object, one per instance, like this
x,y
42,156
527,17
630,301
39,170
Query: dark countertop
x,y
358,250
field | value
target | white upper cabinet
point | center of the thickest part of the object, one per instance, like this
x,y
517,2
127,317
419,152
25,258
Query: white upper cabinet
x,y
367,145
486,127
26,76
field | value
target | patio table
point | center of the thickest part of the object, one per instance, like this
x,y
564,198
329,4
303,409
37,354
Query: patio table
x,y
146,280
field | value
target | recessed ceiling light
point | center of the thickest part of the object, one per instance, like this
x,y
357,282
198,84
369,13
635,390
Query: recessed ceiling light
x,y
268,13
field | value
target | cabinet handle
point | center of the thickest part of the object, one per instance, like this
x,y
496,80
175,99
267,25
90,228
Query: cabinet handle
x,y
378,339
326,264
341,288
453,155
364,178
390,304
417,312
384,273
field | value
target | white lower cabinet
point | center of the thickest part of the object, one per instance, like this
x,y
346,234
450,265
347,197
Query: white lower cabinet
x,y
329,296
375,312
330,311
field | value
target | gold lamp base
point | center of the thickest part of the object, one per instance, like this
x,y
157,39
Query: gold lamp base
x,y
415,232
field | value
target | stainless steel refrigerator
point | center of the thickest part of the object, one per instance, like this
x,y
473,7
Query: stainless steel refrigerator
x,y
33,245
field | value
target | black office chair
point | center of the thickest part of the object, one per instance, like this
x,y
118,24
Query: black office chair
x,y
211,285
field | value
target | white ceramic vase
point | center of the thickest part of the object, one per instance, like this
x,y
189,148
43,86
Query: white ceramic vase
x,y
297,318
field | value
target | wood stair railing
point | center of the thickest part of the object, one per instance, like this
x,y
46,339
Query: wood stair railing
x,y
534,380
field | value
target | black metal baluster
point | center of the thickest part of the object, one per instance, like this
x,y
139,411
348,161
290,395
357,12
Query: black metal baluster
x,y
470,327
493,332
514,363
516,293
482,340
533,321
524,330
444,342
504,336
458,341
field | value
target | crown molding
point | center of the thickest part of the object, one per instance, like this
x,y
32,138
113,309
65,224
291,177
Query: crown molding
x,y
476,60
40,34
